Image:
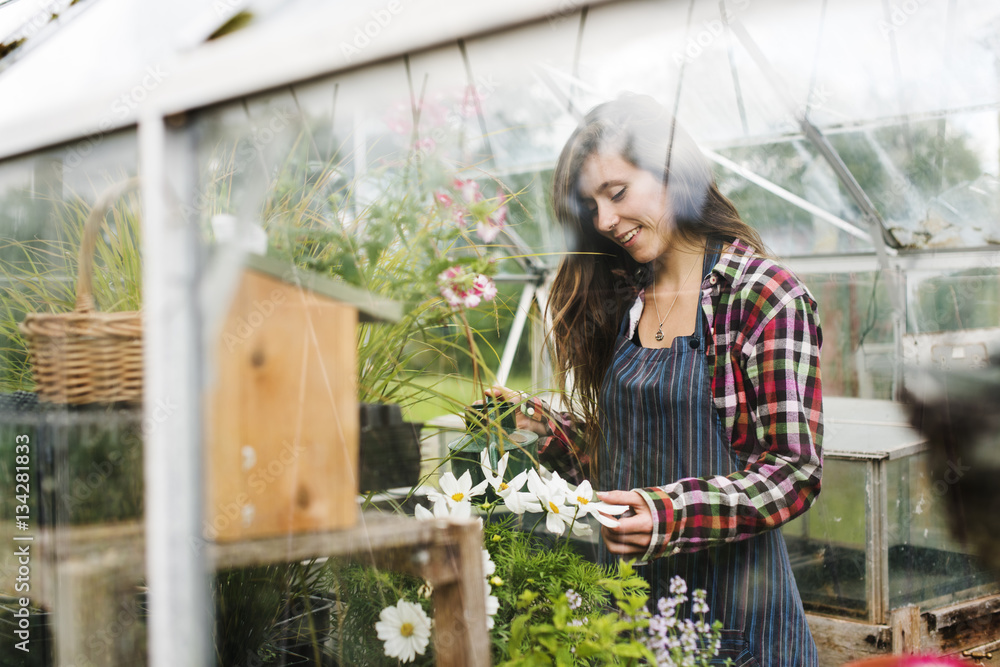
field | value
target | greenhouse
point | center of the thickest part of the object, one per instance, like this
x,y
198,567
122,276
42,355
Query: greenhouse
x,y
263,263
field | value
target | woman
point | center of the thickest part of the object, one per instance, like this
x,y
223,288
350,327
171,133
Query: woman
x,y
703,412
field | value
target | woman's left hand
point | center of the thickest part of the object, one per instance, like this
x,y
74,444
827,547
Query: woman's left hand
x,y
635,528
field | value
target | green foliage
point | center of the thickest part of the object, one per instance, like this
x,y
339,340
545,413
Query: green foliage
x,y
361,593
271,615
551,630
395,245
529,563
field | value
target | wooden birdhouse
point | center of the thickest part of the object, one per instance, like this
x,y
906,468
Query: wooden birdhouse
x,y
283,420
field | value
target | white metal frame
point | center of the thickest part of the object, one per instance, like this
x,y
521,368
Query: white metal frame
x,y
241,65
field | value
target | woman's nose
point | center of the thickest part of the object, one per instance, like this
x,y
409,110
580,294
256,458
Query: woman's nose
x,y
607,220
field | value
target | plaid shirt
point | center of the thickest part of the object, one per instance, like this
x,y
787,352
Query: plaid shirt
x,y
764,352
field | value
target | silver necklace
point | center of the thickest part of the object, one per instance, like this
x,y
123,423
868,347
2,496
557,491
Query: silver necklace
x,y
659,329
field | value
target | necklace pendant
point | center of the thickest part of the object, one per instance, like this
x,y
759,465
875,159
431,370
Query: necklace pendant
x,y
659,335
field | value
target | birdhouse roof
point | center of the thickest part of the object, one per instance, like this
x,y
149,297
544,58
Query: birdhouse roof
x,y
371,307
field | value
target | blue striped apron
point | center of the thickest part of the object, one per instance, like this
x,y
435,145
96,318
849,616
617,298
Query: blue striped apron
x,y
660,425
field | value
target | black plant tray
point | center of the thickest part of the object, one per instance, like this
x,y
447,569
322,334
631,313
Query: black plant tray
x,y
390,448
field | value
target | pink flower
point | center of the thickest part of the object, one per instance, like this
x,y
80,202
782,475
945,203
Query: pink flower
x,y
485,287
462,289
449,295
424,145
488,230
449,274
469,189
443,199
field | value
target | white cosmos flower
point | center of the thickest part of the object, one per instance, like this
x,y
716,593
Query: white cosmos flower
x,y
551,498
405,629
515,501
445,510
492,605
583,499
496,481
489,567
457,491
518,502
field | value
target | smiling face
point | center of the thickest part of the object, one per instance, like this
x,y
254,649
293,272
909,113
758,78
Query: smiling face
x,y
629,205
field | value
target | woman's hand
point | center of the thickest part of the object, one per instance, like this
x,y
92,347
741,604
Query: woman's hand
x,y
518,398
635,528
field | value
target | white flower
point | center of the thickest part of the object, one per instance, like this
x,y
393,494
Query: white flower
x,y
457,491
489,567
492,606
583,499
444,510
516,502
550,497
405,629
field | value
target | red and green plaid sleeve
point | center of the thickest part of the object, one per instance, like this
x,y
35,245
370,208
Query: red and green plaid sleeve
x,y
767,388
558,450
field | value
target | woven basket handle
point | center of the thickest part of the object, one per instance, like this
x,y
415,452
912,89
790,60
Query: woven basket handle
x,y
91,228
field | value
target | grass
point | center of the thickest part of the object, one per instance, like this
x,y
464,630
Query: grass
x,y
455,387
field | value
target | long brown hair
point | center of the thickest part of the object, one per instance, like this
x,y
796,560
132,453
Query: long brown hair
x,y
598,280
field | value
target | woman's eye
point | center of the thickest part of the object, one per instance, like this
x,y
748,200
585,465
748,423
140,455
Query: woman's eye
x,y
618,196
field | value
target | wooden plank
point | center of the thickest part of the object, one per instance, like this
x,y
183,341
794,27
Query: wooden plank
x,y
839,641
961,626
373,533
905,624
461,638
98,569
97,614
284,427
944,617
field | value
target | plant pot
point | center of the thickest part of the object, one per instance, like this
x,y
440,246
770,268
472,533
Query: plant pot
x,y
390,449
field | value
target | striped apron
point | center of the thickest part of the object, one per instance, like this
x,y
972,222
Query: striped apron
x,y
660,425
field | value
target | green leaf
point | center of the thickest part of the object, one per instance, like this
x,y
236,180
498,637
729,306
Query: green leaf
x,y
631,650
517,634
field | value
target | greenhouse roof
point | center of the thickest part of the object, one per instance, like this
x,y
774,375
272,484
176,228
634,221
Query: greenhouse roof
x,y
828,117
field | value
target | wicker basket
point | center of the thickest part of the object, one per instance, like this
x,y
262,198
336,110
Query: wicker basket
x,y
87,356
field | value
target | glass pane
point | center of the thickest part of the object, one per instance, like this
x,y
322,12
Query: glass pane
x,y
955,301
859,353
927,567
74,473
787,228
827,544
